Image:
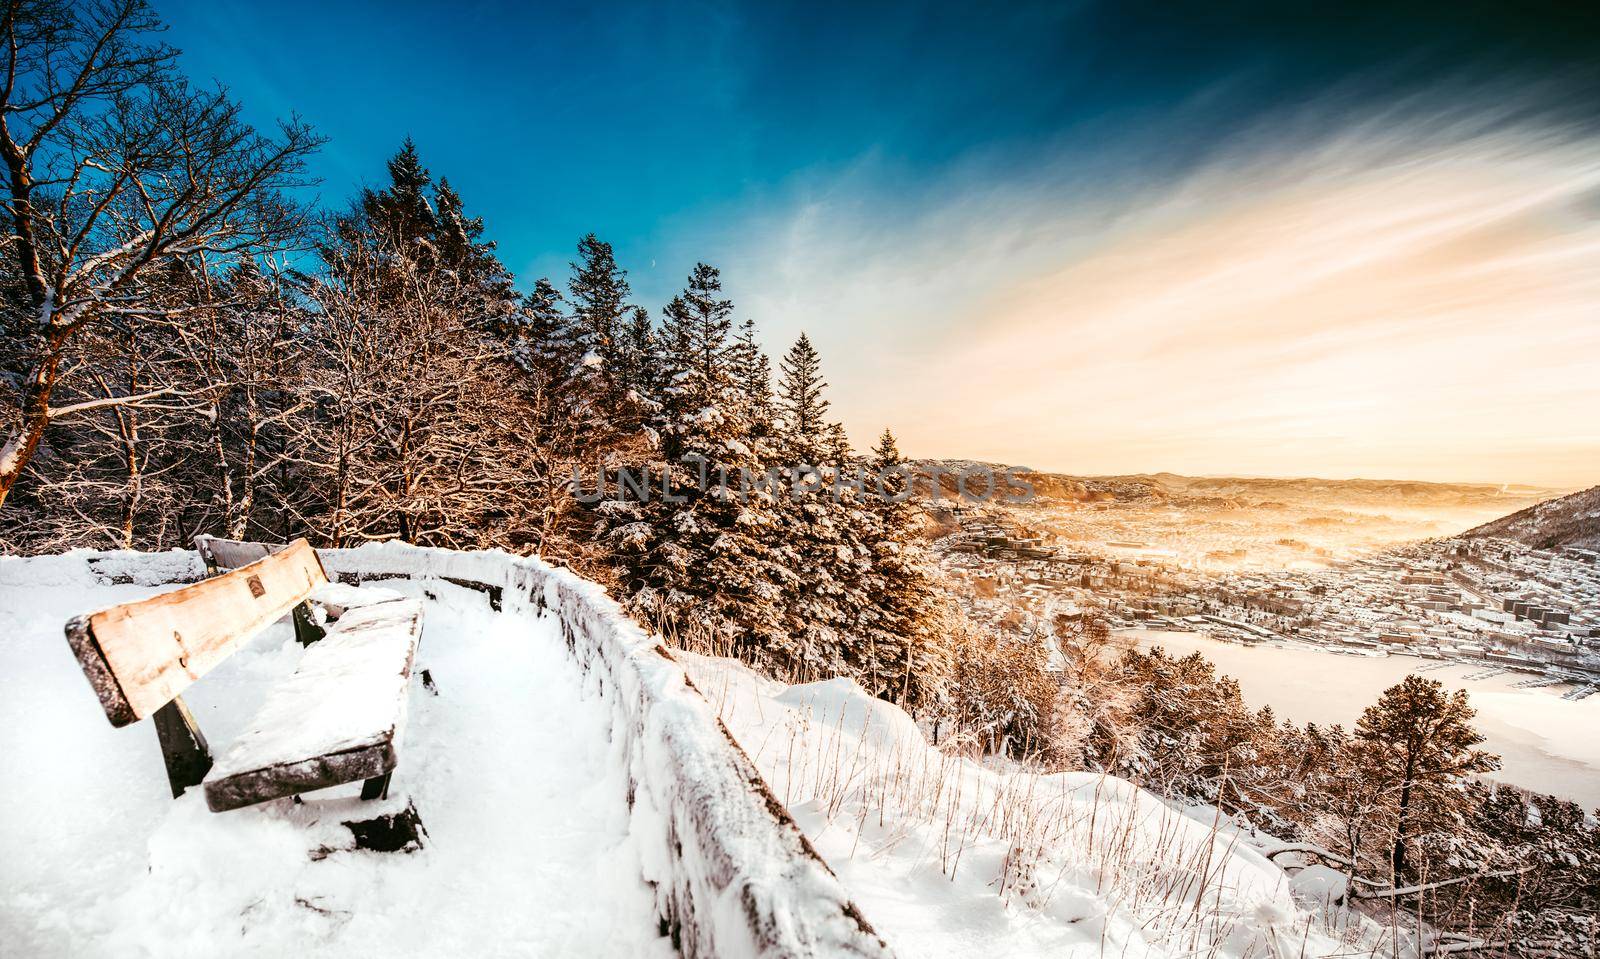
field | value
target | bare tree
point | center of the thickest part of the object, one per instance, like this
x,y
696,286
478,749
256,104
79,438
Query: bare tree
x,y
114,474
421,432
114,165
244,367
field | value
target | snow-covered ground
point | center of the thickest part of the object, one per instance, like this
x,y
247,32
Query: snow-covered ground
x,y
952,858
528,849
521,767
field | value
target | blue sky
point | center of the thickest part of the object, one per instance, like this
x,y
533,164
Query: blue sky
x,y
890,177
635,120
642,121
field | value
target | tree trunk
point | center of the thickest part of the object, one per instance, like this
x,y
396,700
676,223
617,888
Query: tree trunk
x,y
135,491
1397,859
240,528
224,481
24,440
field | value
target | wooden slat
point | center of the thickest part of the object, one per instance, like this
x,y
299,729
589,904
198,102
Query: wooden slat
x,y
307,775
221,555
98,672
139,656
226,554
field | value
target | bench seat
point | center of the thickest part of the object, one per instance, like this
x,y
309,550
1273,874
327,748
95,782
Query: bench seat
x,y
338,717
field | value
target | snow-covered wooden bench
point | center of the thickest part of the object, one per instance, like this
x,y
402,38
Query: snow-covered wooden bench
x,y
336,719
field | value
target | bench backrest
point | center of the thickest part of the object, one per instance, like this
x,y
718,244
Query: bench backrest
x,y
140,656
221,555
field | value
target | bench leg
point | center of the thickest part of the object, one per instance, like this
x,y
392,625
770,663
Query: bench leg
x,y
377,787
183,746
306,630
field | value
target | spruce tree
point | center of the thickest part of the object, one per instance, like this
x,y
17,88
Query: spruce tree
x,y
415,305
457,235
411,248
804,410
460,248
823,521
697,553
545,340
697,332
401,214
904,615
599,295
640,365
753,373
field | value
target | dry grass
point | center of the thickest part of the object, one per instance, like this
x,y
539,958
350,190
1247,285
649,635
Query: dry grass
x,y
1048,844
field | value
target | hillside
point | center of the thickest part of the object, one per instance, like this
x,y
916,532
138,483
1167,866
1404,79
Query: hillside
x,y
1572,520
950,857
1253,491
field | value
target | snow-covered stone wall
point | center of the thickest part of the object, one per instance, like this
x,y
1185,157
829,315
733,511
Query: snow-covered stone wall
x,y
733,875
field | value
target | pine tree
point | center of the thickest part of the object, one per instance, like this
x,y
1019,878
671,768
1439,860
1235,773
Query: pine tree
x,y
422,337
461,249
697,330
545,339
458,235
904,614
803,408
753,373
401,214
640,365
696,554
402,240
703,397
599,295
824,523
1419,740
1004,694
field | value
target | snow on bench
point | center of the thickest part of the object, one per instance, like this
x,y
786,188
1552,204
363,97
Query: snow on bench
x,y
339,598
337,719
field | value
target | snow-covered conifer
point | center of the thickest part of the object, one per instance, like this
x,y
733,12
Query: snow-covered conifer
x,y
696,550
599,293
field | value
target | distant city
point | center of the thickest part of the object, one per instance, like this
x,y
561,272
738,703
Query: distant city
x,y
1488,601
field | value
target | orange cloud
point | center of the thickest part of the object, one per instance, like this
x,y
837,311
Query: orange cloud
x,y
1432,313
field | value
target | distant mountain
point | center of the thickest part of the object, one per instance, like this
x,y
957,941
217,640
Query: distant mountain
x,y
1049,487
1265,492
1262,491
1572,520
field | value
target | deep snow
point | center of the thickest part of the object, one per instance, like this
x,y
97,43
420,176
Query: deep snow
x,y
952,858
528,849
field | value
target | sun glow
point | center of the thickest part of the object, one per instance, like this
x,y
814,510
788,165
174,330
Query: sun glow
x,y
1363,309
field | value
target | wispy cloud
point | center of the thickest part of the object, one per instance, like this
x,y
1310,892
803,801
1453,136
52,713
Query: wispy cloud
x,y
1414,294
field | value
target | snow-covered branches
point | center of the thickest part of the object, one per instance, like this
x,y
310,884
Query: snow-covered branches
x,y
117,167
